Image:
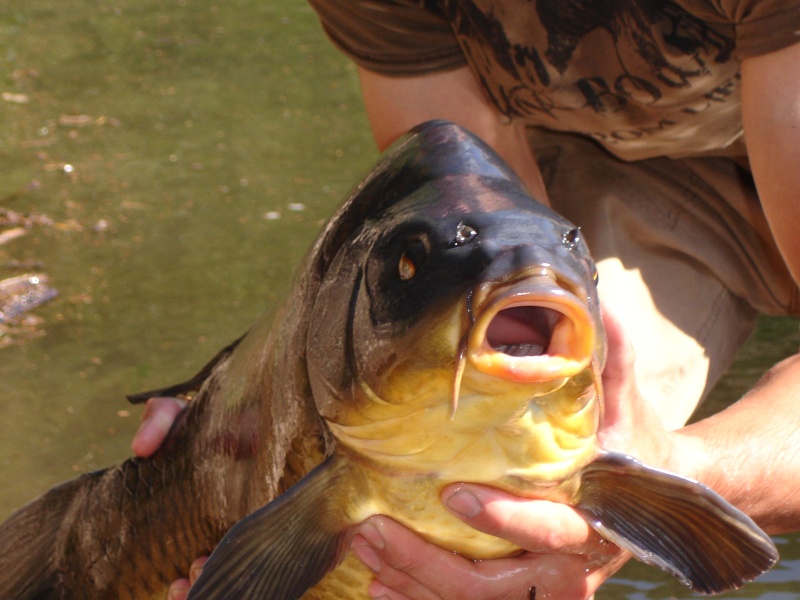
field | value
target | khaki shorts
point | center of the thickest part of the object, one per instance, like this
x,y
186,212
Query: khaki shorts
x,y
685,257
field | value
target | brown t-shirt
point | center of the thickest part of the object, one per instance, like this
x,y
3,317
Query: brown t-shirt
x,y
643,77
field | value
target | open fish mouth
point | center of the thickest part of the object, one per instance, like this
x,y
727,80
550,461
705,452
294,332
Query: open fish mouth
x,y
531,329
522,330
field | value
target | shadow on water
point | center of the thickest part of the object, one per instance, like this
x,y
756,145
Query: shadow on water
x,y
182,155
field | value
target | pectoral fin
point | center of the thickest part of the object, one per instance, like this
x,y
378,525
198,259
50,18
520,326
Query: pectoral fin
x,y
283,549
674,523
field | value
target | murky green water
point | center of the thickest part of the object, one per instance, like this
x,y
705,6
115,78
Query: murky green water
x,y
187,152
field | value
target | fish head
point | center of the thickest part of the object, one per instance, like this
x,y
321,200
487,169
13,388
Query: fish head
x,y
461,307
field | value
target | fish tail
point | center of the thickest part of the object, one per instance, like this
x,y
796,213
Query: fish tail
x,y
30,539
674,523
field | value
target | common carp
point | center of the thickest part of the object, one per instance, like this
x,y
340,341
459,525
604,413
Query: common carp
x,y
444,327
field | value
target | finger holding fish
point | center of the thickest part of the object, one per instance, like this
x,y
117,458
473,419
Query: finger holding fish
x,y
538,526
528,577
179,589
565,558
405,566
157,419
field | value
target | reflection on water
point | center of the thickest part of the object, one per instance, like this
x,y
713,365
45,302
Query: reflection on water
x,y
193,148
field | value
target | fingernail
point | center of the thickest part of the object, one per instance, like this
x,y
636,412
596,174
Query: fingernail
x,y
195,571
179,589
365,553
378,591
373,536
464,503
364,544
149,407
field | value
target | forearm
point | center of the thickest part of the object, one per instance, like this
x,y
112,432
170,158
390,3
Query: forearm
x,y
750,452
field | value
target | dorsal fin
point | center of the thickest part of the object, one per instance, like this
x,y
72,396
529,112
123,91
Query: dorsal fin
x,y
193,384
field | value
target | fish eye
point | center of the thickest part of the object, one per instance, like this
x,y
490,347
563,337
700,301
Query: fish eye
x,y
572,238
464,235
411,260
407,269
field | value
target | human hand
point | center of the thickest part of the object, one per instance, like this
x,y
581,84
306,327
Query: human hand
x,y
565,558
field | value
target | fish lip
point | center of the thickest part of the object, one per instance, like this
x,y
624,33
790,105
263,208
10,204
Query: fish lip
x,y
557,313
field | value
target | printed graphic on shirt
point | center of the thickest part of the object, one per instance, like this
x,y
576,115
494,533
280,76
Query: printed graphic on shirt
x,y
640,76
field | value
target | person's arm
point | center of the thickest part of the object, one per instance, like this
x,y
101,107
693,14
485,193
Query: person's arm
x,y
396,104
751,451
